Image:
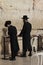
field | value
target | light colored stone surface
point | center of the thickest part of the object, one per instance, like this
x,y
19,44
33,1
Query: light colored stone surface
x,y
20,61
14,10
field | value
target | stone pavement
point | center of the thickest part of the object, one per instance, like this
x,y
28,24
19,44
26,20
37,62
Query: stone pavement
x,y
18,61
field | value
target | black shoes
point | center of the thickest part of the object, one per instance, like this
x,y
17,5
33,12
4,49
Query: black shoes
x,y
23,55
11,58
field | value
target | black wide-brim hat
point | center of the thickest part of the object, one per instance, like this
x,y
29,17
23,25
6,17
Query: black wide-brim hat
x,y
25,17
7,23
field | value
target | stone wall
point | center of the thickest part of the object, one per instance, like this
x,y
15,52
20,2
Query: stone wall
x,y
14,10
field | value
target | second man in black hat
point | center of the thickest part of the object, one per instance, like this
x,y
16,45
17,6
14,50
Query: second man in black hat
x,y
25,33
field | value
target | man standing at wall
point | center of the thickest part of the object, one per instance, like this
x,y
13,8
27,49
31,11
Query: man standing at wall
x,y
12,31
25,33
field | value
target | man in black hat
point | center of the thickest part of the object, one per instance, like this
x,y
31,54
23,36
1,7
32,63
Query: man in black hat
x,y
25,33
12,31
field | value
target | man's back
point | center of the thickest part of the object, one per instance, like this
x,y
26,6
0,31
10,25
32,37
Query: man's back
x,y
26,29
12,30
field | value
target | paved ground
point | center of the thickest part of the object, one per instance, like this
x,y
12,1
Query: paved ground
x,y
19,60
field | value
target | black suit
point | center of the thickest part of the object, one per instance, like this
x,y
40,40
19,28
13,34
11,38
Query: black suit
x,y
25,33
12,31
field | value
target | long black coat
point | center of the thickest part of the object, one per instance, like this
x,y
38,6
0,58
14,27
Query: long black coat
x,y
25,33
12,31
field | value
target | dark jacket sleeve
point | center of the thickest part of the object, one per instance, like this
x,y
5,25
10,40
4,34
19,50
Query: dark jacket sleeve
x,y
22,31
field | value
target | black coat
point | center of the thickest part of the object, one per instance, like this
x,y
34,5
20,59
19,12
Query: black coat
x,y
12,31
25,33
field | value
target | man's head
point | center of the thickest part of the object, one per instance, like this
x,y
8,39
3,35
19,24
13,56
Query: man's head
x,y
7,23
25,17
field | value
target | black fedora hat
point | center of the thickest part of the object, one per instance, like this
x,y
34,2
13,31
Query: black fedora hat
x,y
25,17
